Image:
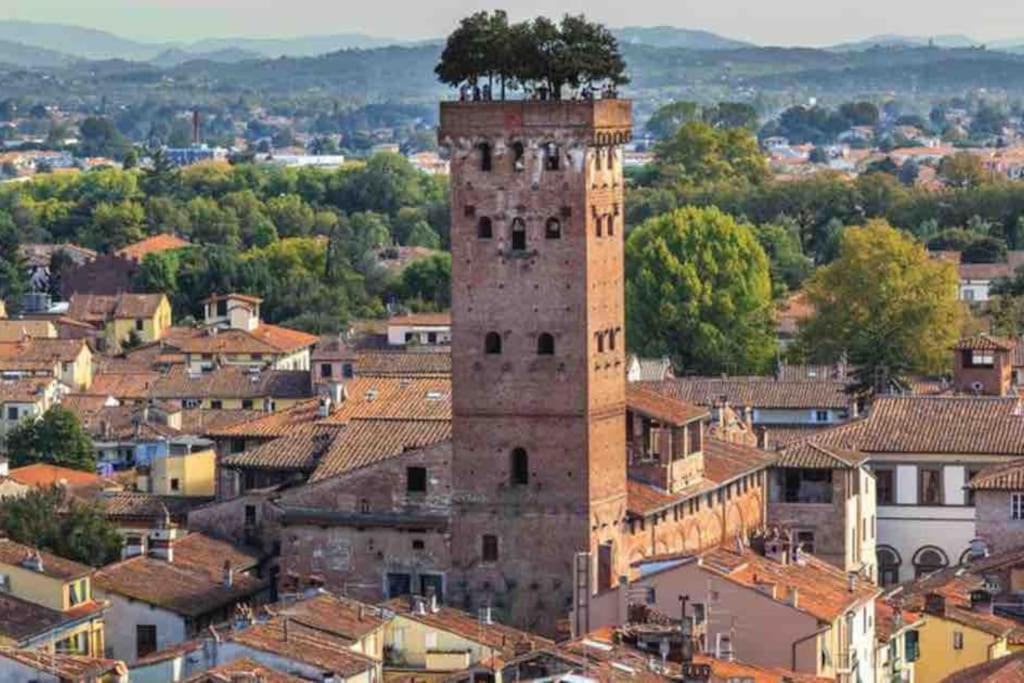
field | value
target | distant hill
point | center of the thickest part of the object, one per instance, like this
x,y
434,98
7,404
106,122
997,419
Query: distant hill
x,y
177,56
301,46
81,42
896,40
670,36
28,56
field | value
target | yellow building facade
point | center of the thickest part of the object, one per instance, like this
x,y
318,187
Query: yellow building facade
x,y
949,645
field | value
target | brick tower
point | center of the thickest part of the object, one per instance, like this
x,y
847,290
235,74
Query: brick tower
x,y
539,464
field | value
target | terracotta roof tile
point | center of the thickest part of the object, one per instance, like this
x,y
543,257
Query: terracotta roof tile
x,y
757,392
822,589
15,330
308,645
43,350
192,584
402,364
134,505
1003,477
1006,669
152,245
367,441
299,450
810,455
443,319
395,398
67,667
282,338
496,636
270,425
132,385
204,422
890,619
21,620
131,306
663,408
338,615
43,475
332,347
725,461
54,566
934,424
231,381
26,390
243,669
984,342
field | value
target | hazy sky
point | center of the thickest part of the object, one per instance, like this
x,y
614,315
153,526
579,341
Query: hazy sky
x,y
802,22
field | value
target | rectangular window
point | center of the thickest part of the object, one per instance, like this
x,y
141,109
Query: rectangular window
x,y
246,404
145,640
821,416
929,489
1017,506
250,515
216,404
325,370
979,359
346,370
431,337
910,646
430,640
958,640
140,325
12,413
490,548
191,403
175,484
237,445
416,479
399,584
885,486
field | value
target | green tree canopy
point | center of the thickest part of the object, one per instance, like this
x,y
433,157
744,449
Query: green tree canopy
x,y
49,519
886,306
57,438
698,290
699,154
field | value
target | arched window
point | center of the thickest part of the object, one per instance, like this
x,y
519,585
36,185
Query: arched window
x,y
485,156
553,229
928,560
611,158
518,157
611,224
597,224
600,342
888,565
545,345
484,228
520,467
551,157
492,343
518,234
597,159
611,339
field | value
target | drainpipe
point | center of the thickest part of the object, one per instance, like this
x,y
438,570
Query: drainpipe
x,y
815,634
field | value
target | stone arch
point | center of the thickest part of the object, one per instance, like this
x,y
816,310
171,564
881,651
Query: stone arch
x,y
712,530
929,559
692,538
734,520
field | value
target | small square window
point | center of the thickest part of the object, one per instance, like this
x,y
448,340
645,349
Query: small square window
x,y
140,325
175,485
417,544
416,479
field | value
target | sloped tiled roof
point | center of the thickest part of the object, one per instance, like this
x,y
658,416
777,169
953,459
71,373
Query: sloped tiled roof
x,y
368,441
311,646
192,584
243,669
43,350
21,620
890,618
984,342
421,320
661,407
811,455
270,425
203,422
267,339
44,475
724,461
418,398
934,424
1006,669
1003,477
68,667
822,589
26,390
402,364
137,505
231,381
133,306
152,245
54,566
757,392
132,385
299,450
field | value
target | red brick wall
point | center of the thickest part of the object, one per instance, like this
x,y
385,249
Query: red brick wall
x,y
566,410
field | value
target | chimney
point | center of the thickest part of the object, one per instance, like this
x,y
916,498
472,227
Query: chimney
x,y
228,574
776,548
935,603
324,407
419,606
435,606
851,581
337,393
284,627
484,615
33,561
